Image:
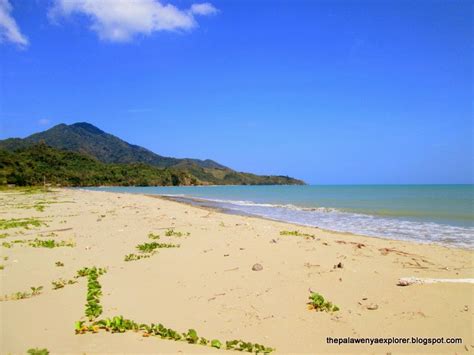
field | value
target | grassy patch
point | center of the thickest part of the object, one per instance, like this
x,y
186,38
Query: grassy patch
x,y
249,347
135,257
172,233
49,235
94,291
35,291
297,234
61,283
85,271
150,247
27,190
39,205
119,324
38,243
50,243
20,223
153,236
318,303
37,351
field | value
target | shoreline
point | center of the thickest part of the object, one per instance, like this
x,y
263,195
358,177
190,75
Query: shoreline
x,y
208,282
425,226
185,201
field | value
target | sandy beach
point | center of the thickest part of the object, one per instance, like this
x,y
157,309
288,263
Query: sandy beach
x,y
208,284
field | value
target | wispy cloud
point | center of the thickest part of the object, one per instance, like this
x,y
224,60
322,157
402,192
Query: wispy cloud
x,y
9,30
203,9
122,20
44,122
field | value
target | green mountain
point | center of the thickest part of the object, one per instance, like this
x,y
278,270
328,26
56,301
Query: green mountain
x,y
83,155
34,164
85,138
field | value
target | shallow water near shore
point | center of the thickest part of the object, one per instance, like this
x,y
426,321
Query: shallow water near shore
x,y
422,213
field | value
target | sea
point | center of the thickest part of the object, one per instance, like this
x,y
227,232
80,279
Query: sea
x,y
442,214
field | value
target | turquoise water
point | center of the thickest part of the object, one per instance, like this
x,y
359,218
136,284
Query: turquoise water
x,y
426,213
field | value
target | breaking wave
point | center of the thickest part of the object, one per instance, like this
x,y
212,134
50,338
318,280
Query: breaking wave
x,y
343,221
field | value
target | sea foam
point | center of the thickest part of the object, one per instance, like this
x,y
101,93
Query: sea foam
x,y
341,221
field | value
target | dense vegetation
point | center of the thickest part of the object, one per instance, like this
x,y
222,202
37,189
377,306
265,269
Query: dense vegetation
x,y
38,163
29,166
85,138
83,155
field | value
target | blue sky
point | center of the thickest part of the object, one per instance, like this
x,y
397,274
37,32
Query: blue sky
x,y
333,92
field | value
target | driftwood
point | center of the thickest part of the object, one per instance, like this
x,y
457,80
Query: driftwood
x,y
386,251
405,281
357,245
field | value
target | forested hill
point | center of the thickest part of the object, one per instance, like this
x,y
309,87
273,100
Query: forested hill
x,y
85,138
32,164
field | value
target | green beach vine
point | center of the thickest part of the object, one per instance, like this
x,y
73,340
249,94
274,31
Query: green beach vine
x,y
119,324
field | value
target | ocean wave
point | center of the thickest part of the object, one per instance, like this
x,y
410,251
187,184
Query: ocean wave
x,y
255,204
343,221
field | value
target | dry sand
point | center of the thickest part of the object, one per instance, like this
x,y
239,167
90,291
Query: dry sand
x,y
208,283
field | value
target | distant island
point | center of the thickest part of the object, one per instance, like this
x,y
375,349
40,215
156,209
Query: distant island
x,y
81,154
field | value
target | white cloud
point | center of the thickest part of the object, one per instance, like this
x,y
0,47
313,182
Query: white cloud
x,y
203,9
9,30
44,122
121,20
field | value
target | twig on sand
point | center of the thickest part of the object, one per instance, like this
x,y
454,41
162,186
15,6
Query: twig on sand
x,y
216,295
405,281
309,265
385,251
356,245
